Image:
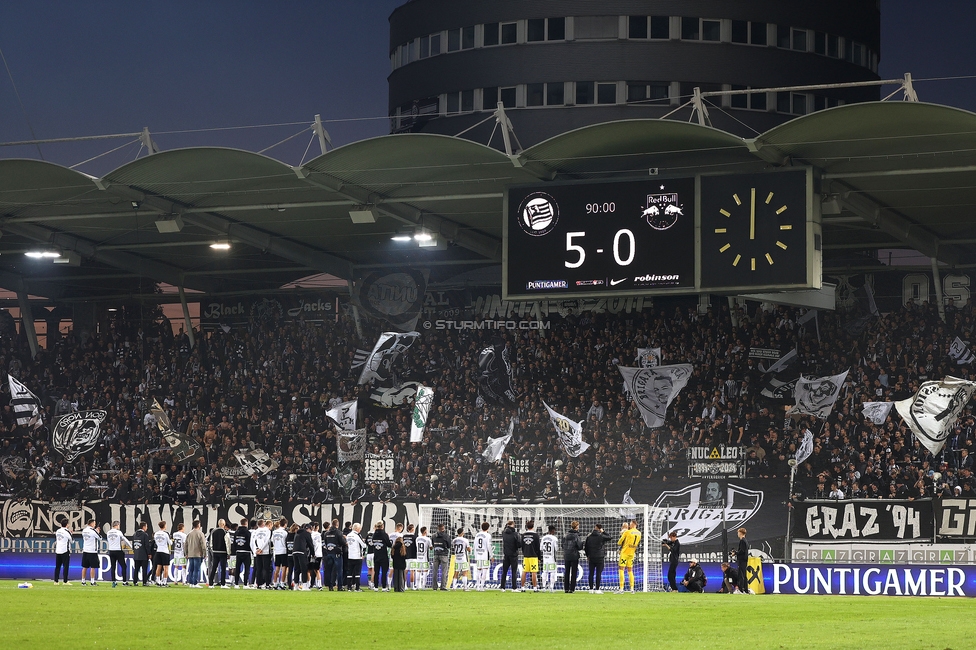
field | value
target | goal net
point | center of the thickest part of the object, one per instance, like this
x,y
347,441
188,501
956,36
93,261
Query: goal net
x,y
651,522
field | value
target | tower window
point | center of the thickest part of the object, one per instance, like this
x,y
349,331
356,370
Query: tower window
x,y
509,33
711,30
689,28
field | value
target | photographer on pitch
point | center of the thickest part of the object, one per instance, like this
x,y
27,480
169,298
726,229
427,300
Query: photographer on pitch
x,y
695,579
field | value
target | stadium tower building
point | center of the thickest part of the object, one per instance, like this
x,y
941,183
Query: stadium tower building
x,y
561,65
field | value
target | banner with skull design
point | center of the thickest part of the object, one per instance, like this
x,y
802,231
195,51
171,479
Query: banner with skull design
x,y
78,433
816,395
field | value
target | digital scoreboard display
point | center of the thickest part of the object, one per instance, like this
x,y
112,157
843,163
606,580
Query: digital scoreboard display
x,y
617,238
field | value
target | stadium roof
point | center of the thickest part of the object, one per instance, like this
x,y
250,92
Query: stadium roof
x,y
895,174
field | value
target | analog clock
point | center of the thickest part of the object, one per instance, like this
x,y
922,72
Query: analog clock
x,y
754,230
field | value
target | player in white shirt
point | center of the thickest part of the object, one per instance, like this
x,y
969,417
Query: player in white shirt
x,y
421,567
161,558
280,550
356,548
261,548
179,549
549,544
62,550
460,548
89,551
116,555
315,563
483,554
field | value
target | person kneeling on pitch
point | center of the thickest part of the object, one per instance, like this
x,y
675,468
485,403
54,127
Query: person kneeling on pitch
x,y
730,578
695,579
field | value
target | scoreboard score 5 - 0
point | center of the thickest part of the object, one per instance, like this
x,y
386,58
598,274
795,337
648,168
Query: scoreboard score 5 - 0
x,y
712,232
606,238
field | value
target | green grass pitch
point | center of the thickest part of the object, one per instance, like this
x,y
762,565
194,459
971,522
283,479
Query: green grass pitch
x,y
151,617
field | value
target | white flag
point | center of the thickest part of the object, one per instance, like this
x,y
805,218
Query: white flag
x,y
653,389
377,364
345,415
960,352
628,500
877,412
351,445
806,447
570,433
648,357
932,412
496,446
24,404
421,408
816,395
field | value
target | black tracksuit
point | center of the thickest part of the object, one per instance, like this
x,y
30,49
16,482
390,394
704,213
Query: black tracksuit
x,y
332,547
218,551
572,545
140,556
673,557
510,550
593,547
742,564
242,549
695,578
301,548
379,543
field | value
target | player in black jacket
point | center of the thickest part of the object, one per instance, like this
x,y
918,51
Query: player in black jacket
x,y
301,549
572,545
140,554
241,541
510,550
379,543
333,545
593,547
531,555
674,547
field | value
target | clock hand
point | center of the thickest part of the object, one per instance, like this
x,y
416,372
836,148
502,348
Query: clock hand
x,y
752,215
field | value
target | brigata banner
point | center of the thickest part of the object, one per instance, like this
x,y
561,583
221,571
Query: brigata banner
x,y
870,580
863,519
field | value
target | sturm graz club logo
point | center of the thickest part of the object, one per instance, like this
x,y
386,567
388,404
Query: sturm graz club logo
x,y
695,511
538,214
662,210
77,434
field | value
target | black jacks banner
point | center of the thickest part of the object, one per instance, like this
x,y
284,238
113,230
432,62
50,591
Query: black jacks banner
x,y
270,309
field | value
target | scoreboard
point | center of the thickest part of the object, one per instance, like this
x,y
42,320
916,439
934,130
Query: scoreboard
x,y
704,233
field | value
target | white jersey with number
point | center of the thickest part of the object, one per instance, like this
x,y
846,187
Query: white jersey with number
x,y
278,541
482,546
162,541
549,545
90,539
62,542
179,544
423,548
460,547
317,544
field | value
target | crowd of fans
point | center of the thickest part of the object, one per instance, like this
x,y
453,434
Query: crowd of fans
x,y
268,385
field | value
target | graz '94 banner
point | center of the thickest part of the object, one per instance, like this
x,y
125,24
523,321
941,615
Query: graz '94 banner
x,y
863,519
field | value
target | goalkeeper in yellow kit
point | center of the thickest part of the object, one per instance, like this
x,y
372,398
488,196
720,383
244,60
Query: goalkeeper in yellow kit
x,y
630,539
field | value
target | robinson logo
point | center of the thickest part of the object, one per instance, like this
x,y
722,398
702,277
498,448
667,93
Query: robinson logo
x,y
538,214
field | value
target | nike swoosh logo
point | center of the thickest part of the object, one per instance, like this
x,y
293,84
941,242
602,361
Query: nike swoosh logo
x,y
614,283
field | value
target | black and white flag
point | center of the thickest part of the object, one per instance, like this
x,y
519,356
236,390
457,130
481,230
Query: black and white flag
x,y
783,363
806,447
570,433
816,395
496,446
932,412
351,445
378,364
653,389
648,357
78,433
495,377
182,446
877,412
391,396
422,402
251,462
25,404
960,353
344,415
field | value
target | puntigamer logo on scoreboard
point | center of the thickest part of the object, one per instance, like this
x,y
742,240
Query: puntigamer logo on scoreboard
x,y
538,214
539,285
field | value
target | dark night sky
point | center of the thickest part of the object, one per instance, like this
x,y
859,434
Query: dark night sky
x,y
112,67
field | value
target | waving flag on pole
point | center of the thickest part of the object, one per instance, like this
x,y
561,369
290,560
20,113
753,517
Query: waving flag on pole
x,y
377,364
496,446
932,412
960,353
877,412
344,415
570,433
816,395
648,357
806,447
25,405
421,408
